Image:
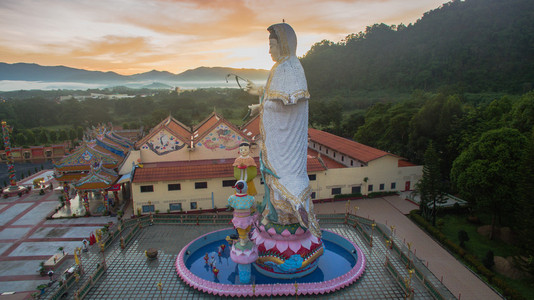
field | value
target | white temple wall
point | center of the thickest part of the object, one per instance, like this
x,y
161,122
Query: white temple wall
x,y
381,171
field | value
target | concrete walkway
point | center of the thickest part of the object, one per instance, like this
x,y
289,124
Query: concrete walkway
x,y
391,211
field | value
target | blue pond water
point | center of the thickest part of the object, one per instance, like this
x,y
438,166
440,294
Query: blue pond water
x,y
335,261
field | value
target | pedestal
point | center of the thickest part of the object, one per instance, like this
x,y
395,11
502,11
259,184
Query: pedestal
x,y
286,251
244,256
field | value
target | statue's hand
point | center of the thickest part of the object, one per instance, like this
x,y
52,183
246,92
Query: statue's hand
x,y
253,89
254,109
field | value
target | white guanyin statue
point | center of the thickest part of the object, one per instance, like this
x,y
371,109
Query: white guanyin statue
x,y
283,110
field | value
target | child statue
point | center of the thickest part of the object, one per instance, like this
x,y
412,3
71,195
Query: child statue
x,y
245,168
243,205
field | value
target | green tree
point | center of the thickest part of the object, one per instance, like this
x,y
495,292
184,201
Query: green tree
x,y
486,173
20,139
62,135
430,187
524,209
79,132
72,133
42,136
30,137
52,135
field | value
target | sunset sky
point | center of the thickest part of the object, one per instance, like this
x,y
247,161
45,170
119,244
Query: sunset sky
x,y
134,36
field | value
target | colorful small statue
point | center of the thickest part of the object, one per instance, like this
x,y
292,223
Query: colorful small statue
x,y
242,204
245,168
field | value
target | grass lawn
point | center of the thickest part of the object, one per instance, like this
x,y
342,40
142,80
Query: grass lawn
x,y
478,245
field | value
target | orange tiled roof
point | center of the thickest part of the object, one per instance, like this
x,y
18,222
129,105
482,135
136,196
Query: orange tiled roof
x,y
184,170
73,168
207,123
404,163
350,148
71,177
199,169
180,129
93,186
81,168
252,127
330,163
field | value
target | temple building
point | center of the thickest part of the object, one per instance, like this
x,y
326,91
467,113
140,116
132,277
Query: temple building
x,y
177,168
91,169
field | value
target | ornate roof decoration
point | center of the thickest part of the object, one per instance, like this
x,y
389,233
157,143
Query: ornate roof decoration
x,y
216,132
173,126
122,141
85,156
98,178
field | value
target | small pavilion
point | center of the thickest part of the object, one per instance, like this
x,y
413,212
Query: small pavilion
x,y
95,187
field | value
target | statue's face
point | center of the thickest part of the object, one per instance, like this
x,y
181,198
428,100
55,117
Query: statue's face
x,y
274,50
244,150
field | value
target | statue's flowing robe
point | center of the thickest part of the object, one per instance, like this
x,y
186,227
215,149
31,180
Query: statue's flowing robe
x,y
284,135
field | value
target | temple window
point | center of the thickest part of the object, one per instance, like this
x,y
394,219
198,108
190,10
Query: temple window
x,y
193,205
336,191
175,206
381,186
148,208
201,185
313,195
393,185
147,188
174,187
228,183
356,190
312,177
370,188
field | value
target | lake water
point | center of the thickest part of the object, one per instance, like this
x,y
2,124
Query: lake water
x,y
14,85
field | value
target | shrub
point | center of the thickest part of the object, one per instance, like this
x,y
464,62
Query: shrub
x,y
463,237
380,194
355,195
488,260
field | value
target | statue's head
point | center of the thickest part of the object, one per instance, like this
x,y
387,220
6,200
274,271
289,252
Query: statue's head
x,y
241,187
244,149
282,41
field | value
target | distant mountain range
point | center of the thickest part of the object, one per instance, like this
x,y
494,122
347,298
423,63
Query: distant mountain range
x,y
35,72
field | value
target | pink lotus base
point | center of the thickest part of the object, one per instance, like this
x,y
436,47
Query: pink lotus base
x,y
268,289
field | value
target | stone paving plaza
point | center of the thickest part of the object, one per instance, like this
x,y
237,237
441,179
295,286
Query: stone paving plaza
x,y
130,275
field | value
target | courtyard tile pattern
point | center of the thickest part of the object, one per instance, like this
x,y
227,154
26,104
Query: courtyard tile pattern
x,y
131,276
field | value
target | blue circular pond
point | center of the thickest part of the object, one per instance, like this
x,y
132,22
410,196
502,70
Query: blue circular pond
x,y
341,264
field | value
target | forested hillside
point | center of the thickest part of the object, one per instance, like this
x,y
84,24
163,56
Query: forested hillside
x,y
463,46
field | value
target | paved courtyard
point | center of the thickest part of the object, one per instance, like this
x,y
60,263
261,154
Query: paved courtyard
x,y
28,238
